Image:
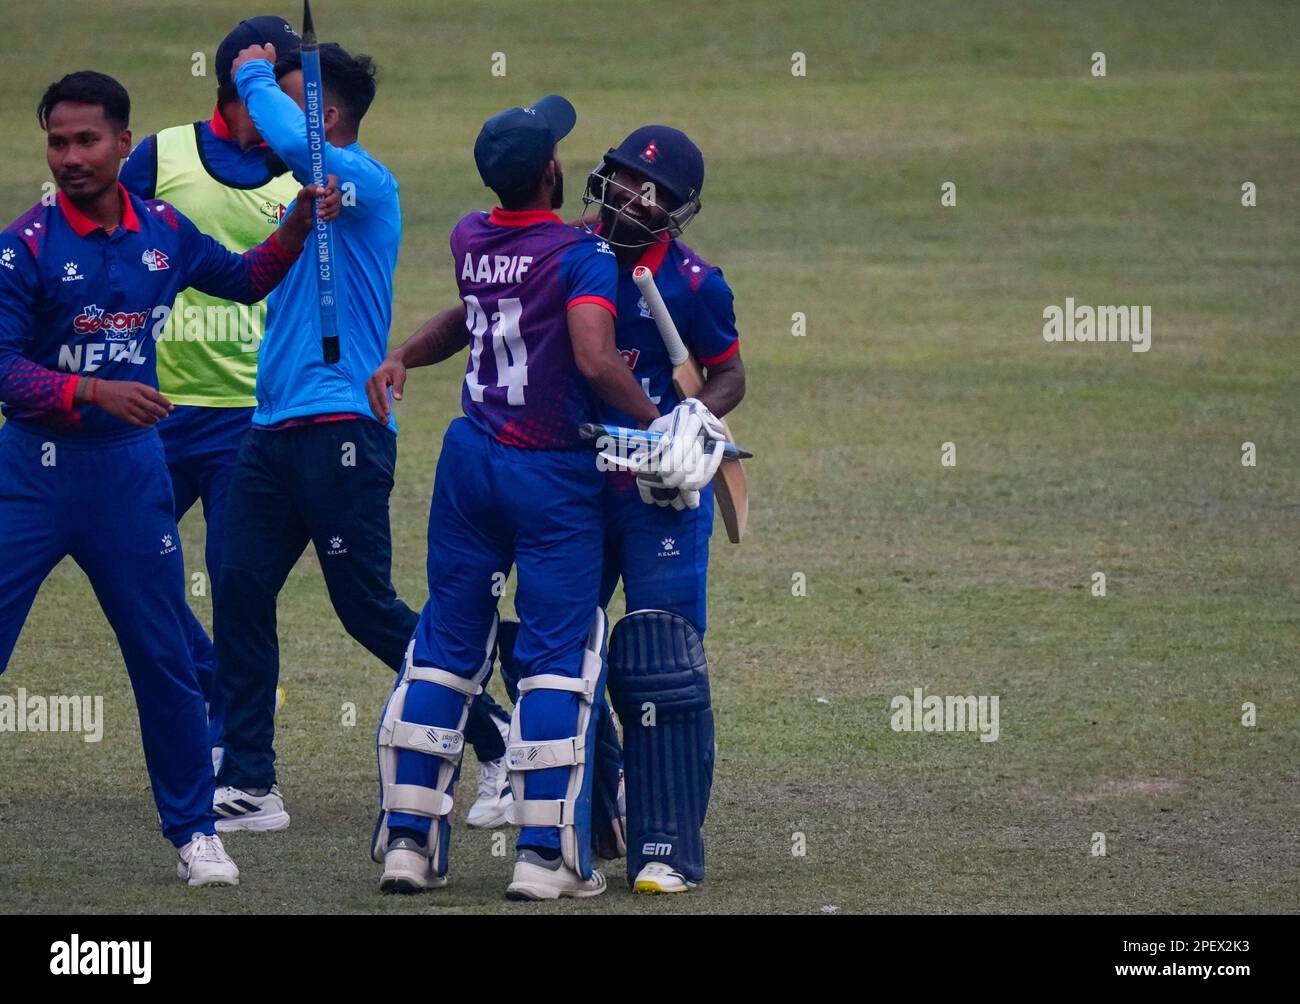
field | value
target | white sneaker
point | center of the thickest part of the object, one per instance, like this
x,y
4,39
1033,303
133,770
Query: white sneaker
x,y
205,862
408,869
238,810
656,878
537,878
492,807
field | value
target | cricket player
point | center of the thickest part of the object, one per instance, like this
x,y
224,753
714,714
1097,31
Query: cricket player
x,y
86,284
316,467
656,538
222,176
514,486
639,199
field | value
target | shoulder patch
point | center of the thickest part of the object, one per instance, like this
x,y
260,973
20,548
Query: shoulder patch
x,y
31,227
691,266
165,211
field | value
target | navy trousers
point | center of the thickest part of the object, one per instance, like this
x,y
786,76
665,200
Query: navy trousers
x,y
327,485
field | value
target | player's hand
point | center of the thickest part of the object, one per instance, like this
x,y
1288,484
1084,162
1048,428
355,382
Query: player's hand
x,y
329,205
253,52
688,455
297,225
132,402
391,373
654,493
326,197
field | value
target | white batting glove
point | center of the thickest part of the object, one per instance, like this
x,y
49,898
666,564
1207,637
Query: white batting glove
x,y
653,493
692,449
649,481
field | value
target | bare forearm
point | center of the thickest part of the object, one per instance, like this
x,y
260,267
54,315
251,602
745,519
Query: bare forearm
x,y
614,383
725,386
438,338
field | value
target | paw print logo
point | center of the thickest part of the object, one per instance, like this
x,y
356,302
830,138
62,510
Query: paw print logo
x,y
668,543
604,248
70,268
336,542
167,540
7,255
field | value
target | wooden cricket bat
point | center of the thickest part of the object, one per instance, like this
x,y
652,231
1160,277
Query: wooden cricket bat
x,y
729,486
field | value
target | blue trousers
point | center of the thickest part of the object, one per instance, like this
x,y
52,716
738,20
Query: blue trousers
x,y
290,488
109,506
202,445
497,506
661,554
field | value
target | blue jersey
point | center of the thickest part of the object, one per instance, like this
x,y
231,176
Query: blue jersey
x,y
700,302
293,379
519,273
76,300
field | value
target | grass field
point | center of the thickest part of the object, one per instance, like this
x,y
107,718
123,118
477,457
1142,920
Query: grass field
x,y
1119,715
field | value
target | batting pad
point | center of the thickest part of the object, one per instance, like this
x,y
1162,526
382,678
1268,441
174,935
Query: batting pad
x,y
659,681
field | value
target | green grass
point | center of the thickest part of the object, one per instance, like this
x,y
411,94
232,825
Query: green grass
x,y
1119,715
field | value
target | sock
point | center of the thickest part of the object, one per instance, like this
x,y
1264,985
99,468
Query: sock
x,y
401,831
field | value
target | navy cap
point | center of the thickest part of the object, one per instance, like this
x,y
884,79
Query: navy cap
x,y
255,31
665,156
513,146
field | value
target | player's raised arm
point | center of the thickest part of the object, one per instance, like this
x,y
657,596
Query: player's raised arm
x,y
438,338
273,94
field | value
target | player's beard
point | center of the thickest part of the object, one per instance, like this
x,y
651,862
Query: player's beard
x,y
620,230
557,193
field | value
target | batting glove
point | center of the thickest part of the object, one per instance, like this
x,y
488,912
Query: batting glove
x,y
691,450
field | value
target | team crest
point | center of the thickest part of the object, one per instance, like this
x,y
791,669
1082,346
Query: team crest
x,y
154,260
650,153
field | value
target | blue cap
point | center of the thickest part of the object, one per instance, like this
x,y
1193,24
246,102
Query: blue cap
x,y
513,146
665,156
255,31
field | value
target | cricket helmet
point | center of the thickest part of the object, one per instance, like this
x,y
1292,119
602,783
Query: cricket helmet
x,y
666,158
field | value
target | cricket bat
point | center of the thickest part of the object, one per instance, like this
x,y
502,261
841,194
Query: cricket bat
x,y
313,91
729,486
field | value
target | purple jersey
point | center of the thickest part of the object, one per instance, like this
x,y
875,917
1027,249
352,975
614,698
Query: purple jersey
x,y
519,273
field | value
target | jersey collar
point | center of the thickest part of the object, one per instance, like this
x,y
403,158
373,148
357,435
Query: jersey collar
x,y
82,224
218,125
521,217
222,131
654,255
